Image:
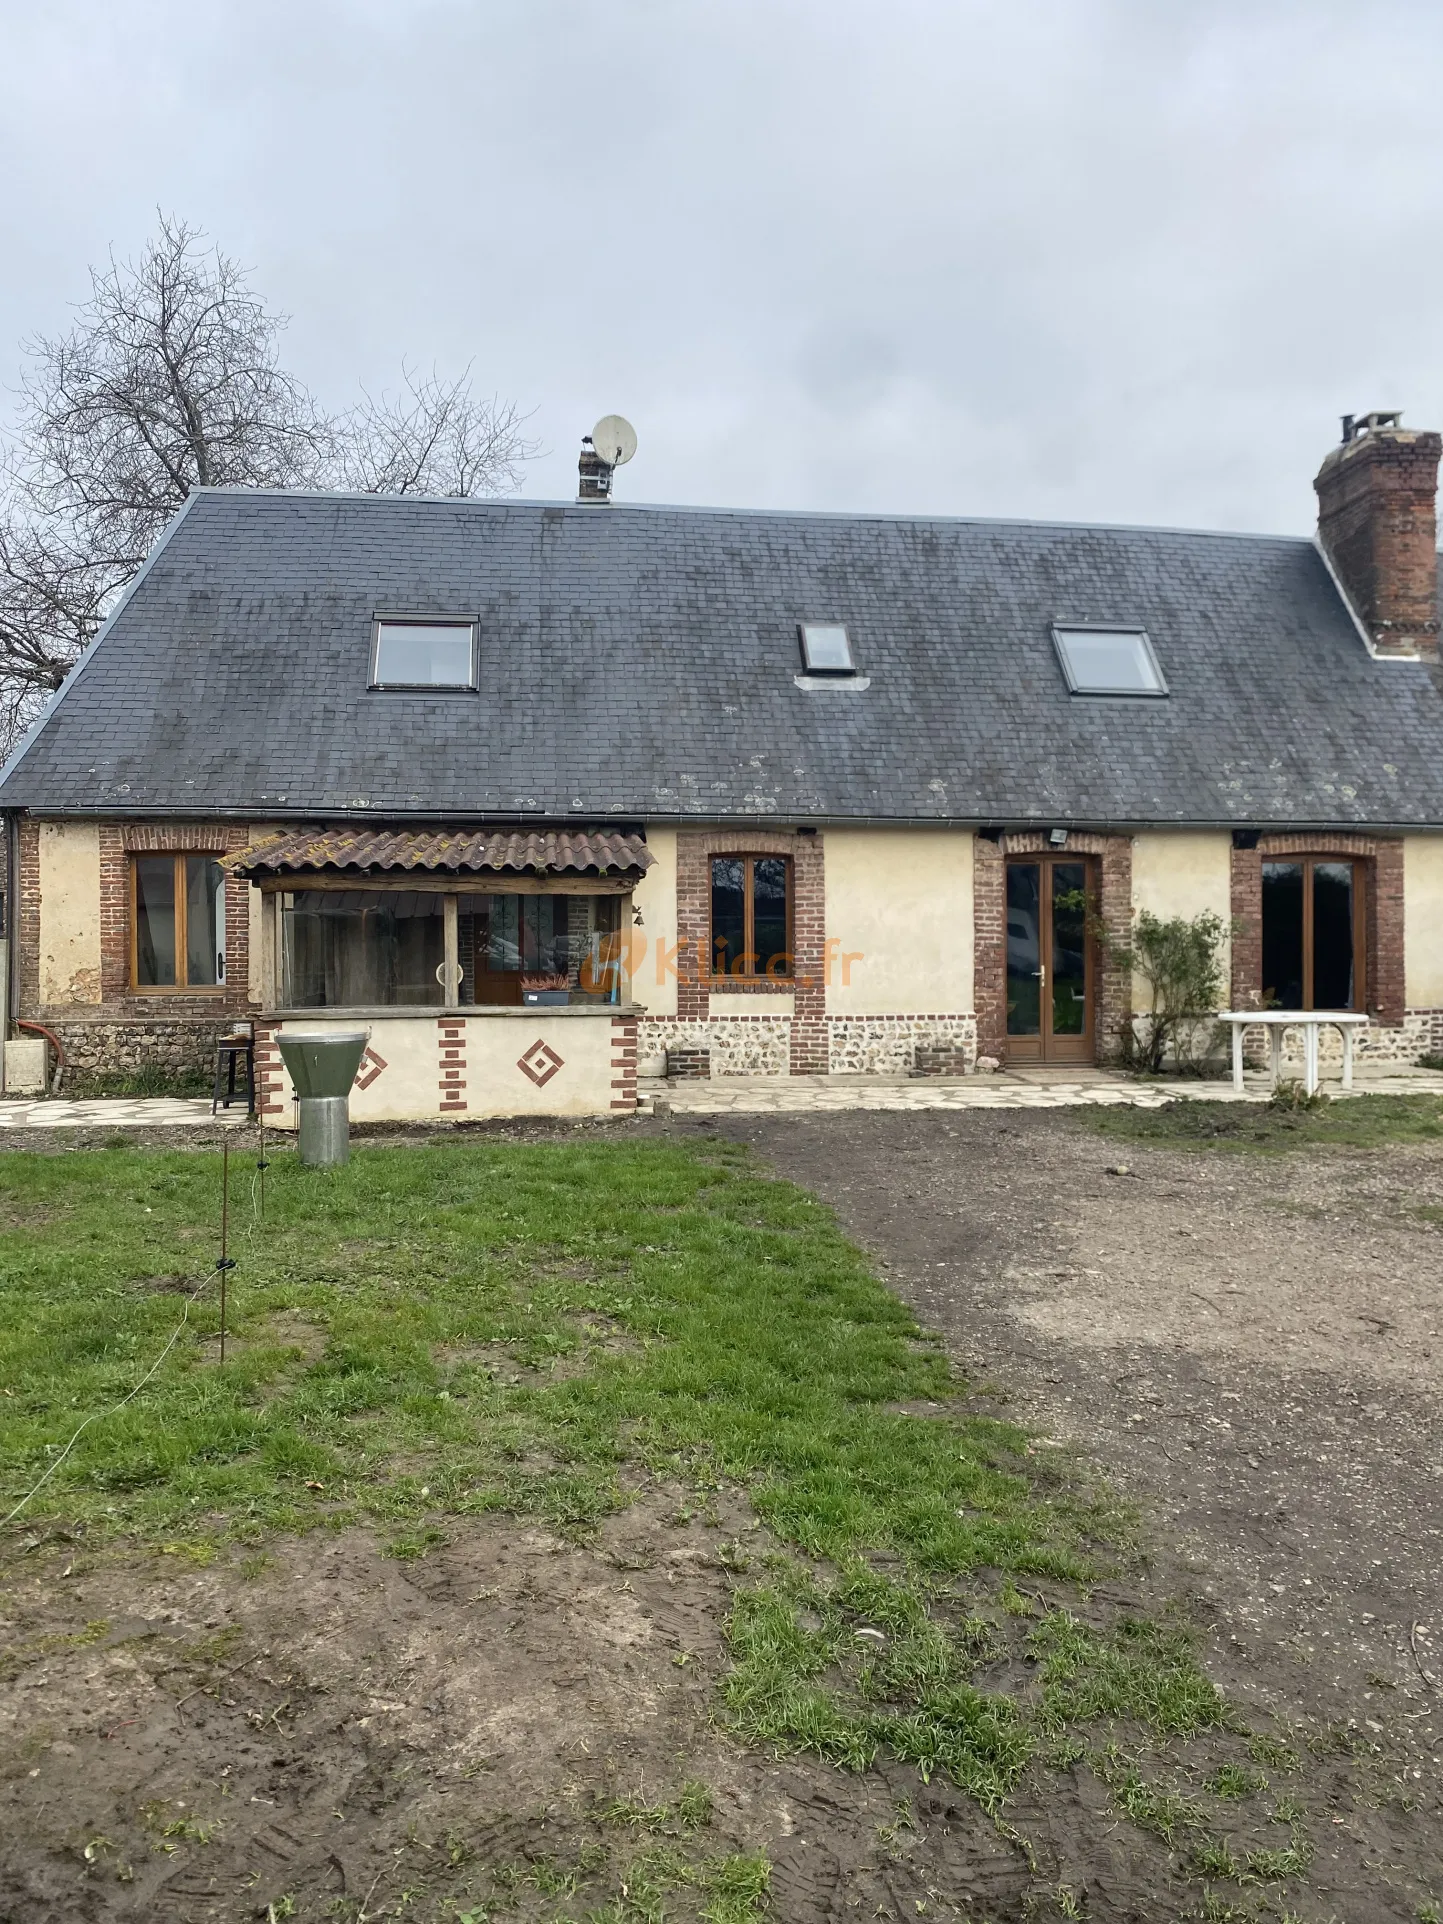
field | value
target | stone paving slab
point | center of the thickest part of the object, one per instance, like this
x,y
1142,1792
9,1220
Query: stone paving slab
x,y
767,1095
117,1112
763,1095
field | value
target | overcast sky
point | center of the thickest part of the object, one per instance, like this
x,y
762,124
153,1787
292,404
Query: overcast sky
x,y
1103,260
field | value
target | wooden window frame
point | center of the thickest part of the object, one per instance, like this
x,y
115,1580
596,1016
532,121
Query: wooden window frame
x,y
179,858
275,889
753,974
1360,867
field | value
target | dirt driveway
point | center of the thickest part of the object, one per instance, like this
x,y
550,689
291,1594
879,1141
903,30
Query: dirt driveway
x,y
503,1727
1250,1344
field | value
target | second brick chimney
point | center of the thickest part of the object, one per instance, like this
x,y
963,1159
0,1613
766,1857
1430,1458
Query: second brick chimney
x,y
1377,523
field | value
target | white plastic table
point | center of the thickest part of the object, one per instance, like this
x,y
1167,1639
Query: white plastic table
x,y
1310,1021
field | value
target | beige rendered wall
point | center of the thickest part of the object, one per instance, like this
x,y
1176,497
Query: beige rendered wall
x,y
1423,921
262,987
899,903
1178,872
69,912
654,947
407,1087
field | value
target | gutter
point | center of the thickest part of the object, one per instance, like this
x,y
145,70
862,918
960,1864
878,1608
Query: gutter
x,y
639,820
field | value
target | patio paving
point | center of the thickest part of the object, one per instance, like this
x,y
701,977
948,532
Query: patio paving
x,y
1011,1089
772,1095
115,1112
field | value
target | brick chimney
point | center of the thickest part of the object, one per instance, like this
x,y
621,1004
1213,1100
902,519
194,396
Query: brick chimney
x,y
1377,523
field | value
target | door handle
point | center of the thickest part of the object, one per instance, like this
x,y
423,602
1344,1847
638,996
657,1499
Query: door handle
x,y
1041,974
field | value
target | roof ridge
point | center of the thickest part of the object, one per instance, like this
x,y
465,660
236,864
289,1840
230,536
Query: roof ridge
x,y
860,515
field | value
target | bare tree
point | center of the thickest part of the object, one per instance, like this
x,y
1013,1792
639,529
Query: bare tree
x,y
170,380
435,437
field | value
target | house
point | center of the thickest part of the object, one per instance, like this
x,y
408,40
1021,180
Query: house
x,y
535,791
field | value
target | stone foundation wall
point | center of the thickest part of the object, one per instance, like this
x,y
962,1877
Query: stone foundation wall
x,y
740,1045
98,1047
761,1045
886,1045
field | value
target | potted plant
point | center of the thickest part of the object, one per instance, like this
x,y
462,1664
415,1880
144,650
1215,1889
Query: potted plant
x,y
548,988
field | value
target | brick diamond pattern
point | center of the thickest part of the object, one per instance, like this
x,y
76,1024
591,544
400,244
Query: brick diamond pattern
x,y
540,1063
370,1066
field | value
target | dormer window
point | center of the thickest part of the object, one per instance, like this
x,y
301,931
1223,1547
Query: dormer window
x,y
826,648
424,654
1103,660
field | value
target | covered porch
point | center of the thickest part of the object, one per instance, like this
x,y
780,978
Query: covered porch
x,y
489,969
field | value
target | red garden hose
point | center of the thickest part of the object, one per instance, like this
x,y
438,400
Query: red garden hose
x,y
56,1044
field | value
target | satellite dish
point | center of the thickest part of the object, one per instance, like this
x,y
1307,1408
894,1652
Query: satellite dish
x,y
614,440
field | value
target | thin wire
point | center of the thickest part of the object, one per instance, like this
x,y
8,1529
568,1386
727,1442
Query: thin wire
x,y
114,1411
95,1416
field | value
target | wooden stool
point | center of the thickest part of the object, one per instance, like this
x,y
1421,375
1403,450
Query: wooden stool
x,y
229,1052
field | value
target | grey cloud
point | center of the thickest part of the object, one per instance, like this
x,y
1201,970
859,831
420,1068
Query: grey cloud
x,y
1083,259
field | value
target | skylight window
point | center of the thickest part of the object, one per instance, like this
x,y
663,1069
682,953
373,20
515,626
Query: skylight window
x,y
826,648
1108,661
424,654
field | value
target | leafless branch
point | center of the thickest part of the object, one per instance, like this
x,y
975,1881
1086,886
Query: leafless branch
x,y
433,437
169,380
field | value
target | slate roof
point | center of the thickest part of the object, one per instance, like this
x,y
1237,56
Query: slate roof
x,y
470,854
639,664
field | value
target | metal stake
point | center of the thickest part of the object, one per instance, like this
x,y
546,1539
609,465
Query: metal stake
x,y
225,1262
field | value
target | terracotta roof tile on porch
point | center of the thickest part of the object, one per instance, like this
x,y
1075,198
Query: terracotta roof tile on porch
x,y
463,853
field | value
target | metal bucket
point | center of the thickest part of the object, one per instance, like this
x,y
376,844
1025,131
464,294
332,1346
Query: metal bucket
x,y
322,1065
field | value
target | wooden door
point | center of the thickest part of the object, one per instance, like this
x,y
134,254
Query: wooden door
x,y
1051,963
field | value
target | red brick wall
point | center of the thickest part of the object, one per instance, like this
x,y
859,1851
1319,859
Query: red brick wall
x,y
118,842
694,850
451,1048
989,908
1377,519
1383,866
623,1063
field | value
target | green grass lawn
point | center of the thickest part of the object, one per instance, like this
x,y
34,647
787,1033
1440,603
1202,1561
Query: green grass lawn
x,y
475,1326
1351,1122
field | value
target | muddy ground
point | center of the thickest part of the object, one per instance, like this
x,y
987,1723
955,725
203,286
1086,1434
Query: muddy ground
x,y
1245,1343
1251,1347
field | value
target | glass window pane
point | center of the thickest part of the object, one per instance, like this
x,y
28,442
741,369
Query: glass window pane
x,y
516,947
488,940
769,916
1283,934
155,921
1106,662
1069,948
1024,948
1333,935
728,915
360,948
204,922
826,648
410,654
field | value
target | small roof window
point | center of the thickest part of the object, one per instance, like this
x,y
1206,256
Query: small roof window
x,y
424,654
826,648
1108,661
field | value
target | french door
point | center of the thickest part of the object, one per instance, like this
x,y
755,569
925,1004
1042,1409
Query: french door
x,y
1051,967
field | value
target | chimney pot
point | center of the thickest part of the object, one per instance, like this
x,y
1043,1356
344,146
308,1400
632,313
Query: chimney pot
x,y
1377,524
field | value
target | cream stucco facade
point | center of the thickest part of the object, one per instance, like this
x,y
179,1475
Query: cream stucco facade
x,y
899,921
1423,921
654,938
69,914
1182,873
569,1053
